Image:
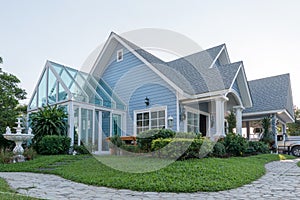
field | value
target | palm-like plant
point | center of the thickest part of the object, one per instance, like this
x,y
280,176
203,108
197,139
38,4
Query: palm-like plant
x,y
50,120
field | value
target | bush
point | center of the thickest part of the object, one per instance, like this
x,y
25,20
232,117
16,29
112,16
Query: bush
x,y
219,150
49,120
53,145
256,147
29,153
144,139
131,148
182,148
5,156
235,144
81,149
116,141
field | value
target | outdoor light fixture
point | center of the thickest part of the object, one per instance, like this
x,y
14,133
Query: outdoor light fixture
x,y
147,101
170,122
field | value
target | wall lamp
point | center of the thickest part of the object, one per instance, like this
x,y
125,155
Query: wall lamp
x,y
170,122
147,101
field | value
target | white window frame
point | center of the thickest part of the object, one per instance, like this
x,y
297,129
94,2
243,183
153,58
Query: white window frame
x,y
120,52
154,109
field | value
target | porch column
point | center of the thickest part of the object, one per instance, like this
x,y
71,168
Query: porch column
x,y
274,128
219,121
238,116
283,130
248,129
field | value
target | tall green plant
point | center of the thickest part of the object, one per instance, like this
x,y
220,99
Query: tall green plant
x,y
231,120
267,135
50,120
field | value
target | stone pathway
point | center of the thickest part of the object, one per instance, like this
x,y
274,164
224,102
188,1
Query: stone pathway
x,y
282,180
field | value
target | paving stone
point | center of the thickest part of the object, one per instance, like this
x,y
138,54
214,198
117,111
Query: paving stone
x,y
281,181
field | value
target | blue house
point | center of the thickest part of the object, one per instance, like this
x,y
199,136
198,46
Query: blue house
x,y
129,91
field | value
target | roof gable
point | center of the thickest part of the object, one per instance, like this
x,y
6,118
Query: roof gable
x,y
192,75
271,94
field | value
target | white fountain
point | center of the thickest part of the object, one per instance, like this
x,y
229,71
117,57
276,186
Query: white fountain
x,y
18,138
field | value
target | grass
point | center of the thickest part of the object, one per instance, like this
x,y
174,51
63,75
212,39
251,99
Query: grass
x,y
6,193
208,174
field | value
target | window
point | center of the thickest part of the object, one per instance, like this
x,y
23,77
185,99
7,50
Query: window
x,y
116,125
150,120
192,122
120,55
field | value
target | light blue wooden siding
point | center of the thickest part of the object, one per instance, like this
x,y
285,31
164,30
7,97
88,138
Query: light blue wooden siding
x,y
159,96
132,81
115,70
235,86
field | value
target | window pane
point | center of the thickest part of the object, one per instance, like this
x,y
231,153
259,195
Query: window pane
x,y
51,87
139,116
42,91
146,115
153,115
161,114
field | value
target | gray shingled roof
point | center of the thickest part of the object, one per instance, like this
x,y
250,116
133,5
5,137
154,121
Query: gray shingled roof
x,y
192,73
271,93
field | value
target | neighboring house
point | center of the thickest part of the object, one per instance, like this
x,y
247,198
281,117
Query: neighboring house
x,y
130,90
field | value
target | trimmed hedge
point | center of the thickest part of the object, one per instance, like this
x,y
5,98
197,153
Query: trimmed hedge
x,y
53,145
182,148
144,139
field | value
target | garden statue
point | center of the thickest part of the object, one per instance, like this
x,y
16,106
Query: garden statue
x,y
8,130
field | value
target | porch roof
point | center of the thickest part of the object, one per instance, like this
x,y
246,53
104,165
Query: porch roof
x,y
271,95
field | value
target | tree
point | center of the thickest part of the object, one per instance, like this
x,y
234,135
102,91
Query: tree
x,y
293,129
231,120
1,60
49,120
10,94
267,136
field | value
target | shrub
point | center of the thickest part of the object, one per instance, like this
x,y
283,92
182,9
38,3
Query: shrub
x,y
182,148
258,147
219,150
5,156
29,153
235,144
131,148
144,139
53,145
81,149
116,141
50,120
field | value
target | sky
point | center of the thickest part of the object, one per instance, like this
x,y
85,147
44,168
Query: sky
x,y
262,34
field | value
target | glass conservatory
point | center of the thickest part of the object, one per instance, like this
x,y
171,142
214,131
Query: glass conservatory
x,y
94,111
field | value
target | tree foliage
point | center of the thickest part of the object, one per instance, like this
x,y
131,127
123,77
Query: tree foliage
x,y
10,94
267,136
50,120
231,120
294,128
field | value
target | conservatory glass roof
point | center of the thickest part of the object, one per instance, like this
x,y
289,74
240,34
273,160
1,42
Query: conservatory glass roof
x,y
59,83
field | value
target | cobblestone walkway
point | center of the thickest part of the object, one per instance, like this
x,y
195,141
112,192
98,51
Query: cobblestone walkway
x,y
282,180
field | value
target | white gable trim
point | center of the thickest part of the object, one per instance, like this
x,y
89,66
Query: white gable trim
x,y
216,58
244,93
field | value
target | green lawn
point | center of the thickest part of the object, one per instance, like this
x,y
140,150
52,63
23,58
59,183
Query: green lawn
x,y
6,193
208,174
